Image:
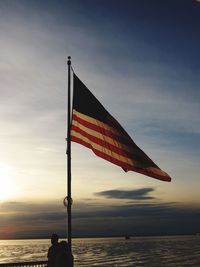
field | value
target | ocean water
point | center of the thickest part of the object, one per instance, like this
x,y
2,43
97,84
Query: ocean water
x,y
138,251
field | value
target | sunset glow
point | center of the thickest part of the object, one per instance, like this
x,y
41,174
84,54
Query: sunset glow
x,y
140,59
6,187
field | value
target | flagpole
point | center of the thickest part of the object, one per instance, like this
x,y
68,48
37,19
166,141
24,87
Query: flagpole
x,y
69,199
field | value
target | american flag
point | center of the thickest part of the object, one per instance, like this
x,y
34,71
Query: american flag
x,y
93,127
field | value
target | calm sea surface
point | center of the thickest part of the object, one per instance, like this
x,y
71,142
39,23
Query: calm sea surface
x,y
139,251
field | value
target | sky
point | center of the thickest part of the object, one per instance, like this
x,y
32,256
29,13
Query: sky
x,y
141,60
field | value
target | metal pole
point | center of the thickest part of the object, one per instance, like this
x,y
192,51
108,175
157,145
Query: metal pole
x,y
69,199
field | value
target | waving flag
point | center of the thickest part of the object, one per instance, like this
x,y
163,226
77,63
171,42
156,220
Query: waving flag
x,y
93,127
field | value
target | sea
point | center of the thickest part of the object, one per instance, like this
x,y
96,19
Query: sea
x,y
137,251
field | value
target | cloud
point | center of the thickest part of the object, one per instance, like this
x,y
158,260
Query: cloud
x,y
130,210
138,194
29,219
138,219
91,219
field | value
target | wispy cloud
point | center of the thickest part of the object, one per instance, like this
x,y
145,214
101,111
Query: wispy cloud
x,y
138,194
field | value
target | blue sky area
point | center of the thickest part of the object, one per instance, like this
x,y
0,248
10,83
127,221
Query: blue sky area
x,y
140,58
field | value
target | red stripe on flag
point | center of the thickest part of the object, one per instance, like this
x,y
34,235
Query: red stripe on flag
x,y
103,143
100,154
120,138
119,163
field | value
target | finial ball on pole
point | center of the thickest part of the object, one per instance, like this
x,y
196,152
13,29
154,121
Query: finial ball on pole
x,y
69,60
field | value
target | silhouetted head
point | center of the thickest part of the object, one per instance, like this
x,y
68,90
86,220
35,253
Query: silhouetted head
x,y
54,239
